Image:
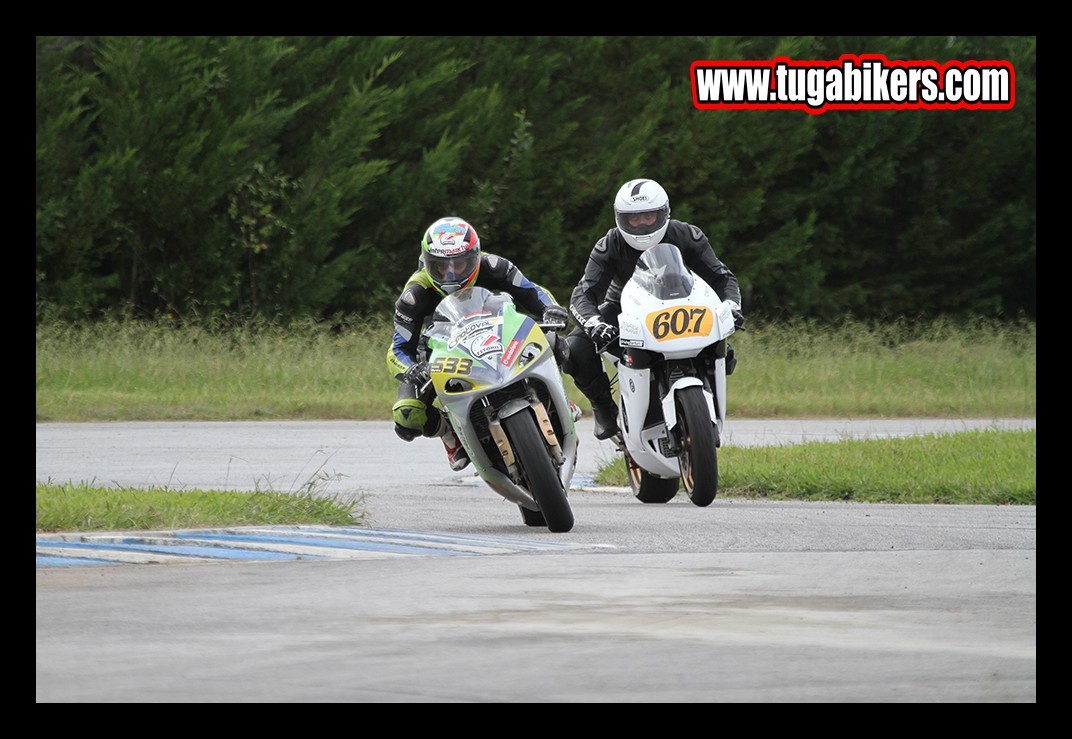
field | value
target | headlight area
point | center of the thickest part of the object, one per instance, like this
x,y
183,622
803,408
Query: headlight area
x,y
529,353
457,385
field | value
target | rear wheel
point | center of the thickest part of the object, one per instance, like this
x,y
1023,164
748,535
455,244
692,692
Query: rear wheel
x,y
540,476
648,488
698,459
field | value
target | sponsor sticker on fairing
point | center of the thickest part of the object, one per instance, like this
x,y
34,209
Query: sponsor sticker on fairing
x,y
460,334
481,346
511,352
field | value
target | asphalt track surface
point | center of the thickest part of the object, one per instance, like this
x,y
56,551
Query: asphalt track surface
x,y
444,596
337,458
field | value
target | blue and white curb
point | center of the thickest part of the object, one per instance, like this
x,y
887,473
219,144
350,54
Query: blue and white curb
x,y
253,543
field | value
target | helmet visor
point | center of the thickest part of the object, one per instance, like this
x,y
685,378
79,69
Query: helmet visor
x,y
642,223
452,270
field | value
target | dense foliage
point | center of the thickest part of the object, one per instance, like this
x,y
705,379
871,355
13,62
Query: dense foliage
x,y
292,176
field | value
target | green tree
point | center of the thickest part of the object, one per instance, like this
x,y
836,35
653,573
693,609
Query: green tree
x,y
74,204
292,176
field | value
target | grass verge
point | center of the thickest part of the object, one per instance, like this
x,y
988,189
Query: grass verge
x,y
972,467
83,507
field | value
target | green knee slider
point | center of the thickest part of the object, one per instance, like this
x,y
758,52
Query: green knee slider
x,y
410,413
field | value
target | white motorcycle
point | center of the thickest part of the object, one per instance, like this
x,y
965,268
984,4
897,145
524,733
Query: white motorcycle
x,y
671,378
495,372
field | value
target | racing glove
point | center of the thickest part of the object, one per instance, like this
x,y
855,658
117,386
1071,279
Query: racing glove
x,y
600,332
556,315
738,317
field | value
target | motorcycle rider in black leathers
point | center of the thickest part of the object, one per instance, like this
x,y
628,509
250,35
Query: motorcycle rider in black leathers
x,y
450,260
642,216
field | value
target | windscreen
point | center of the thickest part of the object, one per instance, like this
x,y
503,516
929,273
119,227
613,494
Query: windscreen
x,y
661,271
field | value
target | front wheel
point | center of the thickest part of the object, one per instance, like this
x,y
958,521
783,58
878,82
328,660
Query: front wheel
x,y
532,518
698,459
540,476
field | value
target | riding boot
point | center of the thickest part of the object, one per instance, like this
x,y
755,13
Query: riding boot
x,y
456,454
604,409
606,417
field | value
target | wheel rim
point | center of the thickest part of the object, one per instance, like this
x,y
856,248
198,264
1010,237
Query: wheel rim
x,y
634,472
684,457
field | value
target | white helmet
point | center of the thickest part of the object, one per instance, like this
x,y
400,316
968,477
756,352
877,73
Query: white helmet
x,y
642,212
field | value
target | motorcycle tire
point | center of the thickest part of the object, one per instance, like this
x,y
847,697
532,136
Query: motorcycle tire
x,y
698,459
532,518
648,488
541,477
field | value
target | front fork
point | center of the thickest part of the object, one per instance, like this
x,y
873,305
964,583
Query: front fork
x,y
543,422
673,376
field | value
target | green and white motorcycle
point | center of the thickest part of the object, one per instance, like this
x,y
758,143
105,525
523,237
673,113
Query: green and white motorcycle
x,y
496,373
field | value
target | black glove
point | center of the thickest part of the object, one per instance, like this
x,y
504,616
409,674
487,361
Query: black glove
x,y
600,332
417,375
556,315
